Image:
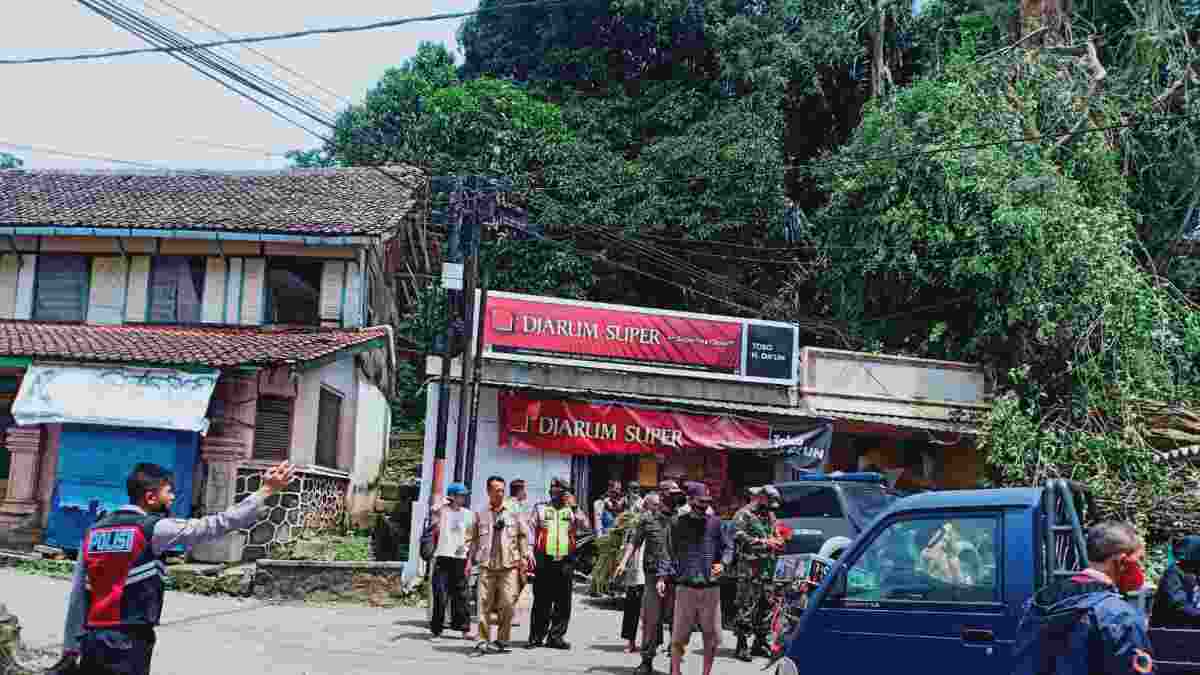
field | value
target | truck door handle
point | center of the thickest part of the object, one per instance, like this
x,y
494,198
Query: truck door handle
x,y
977,635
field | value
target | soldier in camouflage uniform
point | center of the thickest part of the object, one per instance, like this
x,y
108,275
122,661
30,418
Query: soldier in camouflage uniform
x,y
756,552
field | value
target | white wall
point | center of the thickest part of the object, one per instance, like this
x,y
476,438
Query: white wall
x,y
373,420
339,375
536,467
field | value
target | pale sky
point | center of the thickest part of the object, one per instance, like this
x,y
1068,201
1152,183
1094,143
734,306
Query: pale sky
x,y
137,108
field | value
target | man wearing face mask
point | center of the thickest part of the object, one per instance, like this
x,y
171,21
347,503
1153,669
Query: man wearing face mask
x,y
754,536
696,558
1177,603
1083,625
555,524
650,537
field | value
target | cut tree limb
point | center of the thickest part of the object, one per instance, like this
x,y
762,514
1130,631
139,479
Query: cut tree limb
x,y
1098,76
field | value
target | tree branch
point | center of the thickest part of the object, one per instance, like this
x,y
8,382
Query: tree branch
x,y
1098,76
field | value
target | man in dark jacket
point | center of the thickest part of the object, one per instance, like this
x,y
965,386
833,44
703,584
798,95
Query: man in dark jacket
x,y
1177,604
698,555
1082,625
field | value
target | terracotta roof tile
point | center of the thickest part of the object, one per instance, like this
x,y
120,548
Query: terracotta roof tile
x,y
177,345
314,202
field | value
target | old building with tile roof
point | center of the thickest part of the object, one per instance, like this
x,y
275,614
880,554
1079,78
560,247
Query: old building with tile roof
x,y
212,322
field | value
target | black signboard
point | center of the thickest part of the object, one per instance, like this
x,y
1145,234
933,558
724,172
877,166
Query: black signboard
x,y
803,448
769,351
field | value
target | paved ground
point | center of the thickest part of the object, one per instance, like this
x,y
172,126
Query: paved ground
x,y
202,635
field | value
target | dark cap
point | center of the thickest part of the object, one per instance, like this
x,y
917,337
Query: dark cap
x,y
561,483
697,490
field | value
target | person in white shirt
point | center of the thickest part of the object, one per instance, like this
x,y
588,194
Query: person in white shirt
x,y
452,522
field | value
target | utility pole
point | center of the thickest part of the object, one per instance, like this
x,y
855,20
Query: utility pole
x,y
445,345
470,234
485,214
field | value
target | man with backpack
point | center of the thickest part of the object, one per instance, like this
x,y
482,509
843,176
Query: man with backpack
x,y
1083,625
447,533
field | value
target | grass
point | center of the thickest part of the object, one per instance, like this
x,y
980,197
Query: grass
x,y
57,569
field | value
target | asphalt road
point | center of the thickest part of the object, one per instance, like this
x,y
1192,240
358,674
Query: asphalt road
x,y
224,636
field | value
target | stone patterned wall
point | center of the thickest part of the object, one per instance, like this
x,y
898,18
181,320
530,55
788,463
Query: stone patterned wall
x,y
313,502
378,584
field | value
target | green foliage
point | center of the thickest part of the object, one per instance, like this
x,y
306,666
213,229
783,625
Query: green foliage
x,y
1035,248
315,158
8,161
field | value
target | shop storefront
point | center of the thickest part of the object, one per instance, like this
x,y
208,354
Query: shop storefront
x,y
600,393
616,440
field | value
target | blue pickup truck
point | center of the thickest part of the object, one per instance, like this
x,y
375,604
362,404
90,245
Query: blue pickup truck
x,y
894,601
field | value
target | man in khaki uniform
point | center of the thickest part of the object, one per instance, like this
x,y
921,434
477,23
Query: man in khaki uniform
x,y
500,546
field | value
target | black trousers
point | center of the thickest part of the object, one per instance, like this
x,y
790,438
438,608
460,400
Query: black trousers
x,y
633,612
553,582
449,588
116,652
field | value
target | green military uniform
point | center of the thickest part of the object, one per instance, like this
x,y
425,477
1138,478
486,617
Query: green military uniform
x,y
755,570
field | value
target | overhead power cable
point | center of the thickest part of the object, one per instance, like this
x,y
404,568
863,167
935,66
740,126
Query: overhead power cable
x,y
210,64
239,148
263,55
863,160
77,155
273,37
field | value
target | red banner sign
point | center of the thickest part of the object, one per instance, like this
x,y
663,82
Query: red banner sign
x,y
518,325
577,427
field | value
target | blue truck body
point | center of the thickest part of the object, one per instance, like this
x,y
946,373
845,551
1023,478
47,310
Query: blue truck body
x,y
856,622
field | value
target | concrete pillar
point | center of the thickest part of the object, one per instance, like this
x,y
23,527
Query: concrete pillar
x,y
221,454
20,510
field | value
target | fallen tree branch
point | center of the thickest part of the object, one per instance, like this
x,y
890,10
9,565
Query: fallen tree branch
x,y
1098,76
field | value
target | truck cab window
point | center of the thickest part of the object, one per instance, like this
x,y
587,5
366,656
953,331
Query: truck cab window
x,y
927,559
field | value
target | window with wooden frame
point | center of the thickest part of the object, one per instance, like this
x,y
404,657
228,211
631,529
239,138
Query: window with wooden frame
x,y
294,291
176,289
61,288
273,428
329,424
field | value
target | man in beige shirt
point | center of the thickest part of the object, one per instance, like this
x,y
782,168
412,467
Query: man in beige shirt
x,y
500,546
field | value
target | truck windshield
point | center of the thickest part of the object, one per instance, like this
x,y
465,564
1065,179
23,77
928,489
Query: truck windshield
x,y
864,502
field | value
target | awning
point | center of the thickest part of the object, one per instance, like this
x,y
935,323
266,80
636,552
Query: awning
x,y
116,396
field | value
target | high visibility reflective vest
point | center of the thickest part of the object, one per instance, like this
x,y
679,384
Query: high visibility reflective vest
x,y
556,531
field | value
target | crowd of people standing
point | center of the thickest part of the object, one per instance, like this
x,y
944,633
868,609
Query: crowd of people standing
x,y
675,556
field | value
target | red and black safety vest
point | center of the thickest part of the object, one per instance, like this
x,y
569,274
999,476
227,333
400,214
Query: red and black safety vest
x,y
125,578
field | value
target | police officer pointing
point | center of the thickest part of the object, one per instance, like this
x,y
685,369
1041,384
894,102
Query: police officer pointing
x,y
117,593
1082,625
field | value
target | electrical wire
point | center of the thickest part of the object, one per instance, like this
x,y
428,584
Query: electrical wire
x,y
253,39
150,32
852,161
240,148
77,155
263,55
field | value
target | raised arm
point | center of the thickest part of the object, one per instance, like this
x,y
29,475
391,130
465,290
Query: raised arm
x,y
171,532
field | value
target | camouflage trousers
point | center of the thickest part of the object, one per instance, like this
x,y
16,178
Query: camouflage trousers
x,y
753,608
